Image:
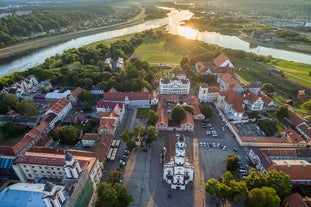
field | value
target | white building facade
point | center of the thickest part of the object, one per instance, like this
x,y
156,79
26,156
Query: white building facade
x,y
177,169
175,85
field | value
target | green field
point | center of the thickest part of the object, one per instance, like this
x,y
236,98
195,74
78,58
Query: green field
x,y
142,113
296,72
154,51
254,71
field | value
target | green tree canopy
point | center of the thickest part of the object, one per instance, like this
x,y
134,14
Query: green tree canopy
x,y
114,177
232,162
11,130
26,107
107,196
306,105
178,113
67,135
268,88
153,117
280,181
206,110
263,197
10,100
152,134
281,112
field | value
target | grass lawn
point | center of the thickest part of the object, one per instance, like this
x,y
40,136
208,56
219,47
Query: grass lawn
x,y
108,42
9,141
154,51
296,72
254,71
142,113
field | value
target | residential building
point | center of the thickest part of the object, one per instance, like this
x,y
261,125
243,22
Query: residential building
x,y
208,93
73,97
26,86
232,105
165,106
178,169
179,84
226,82
222,61
34,195
56,95
136,99
35,165
60,109
295,200
285,160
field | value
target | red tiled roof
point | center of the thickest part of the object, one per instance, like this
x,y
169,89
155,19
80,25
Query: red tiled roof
x,y
102,146
42,126
292,136
280,152
294,200
296,172
170,143
106,105
51,159
19,146
213,89
188,119
305,128
267,100
296,120
229,80
59,105
204,85
220,60
76,92
6,150
90,136
263,139
250,96
113,95
234,99
193,101
107,123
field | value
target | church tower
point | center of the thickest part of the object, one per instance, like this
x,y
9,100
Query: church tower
x,y
72,167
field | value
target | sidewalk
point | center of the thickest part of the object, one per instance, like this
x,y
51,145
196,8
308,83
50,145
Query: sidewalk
x,y
135,177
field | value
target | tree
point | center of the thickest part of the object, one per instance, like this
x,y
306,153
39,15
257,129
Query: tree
x,y
11,130
66,135
268,88
107,196
139,132
211,186
255,179
152,134
26,107
123,196
153,117
184,60
114,177
232,162
281,112
306,105
280,181
207,110
10,100
263,197
127,135
178,113
86,96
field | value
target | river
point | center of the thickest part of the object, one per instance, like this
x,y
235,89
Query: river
x,y
173,26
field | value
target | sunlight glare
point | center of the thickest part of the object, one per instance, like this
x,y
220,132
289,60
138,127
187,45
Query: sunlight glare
x,y
187,32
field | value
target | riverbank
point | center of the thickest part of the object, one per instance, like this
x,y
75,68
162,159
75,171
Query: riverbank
x,y
9,53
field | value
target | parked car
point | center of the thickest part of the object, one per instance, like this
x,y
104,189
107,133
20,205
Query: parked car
x,y
235,150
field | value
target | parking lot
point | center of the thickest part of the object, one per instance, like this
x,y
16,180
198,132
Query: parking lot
x,y
250,130
144,171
